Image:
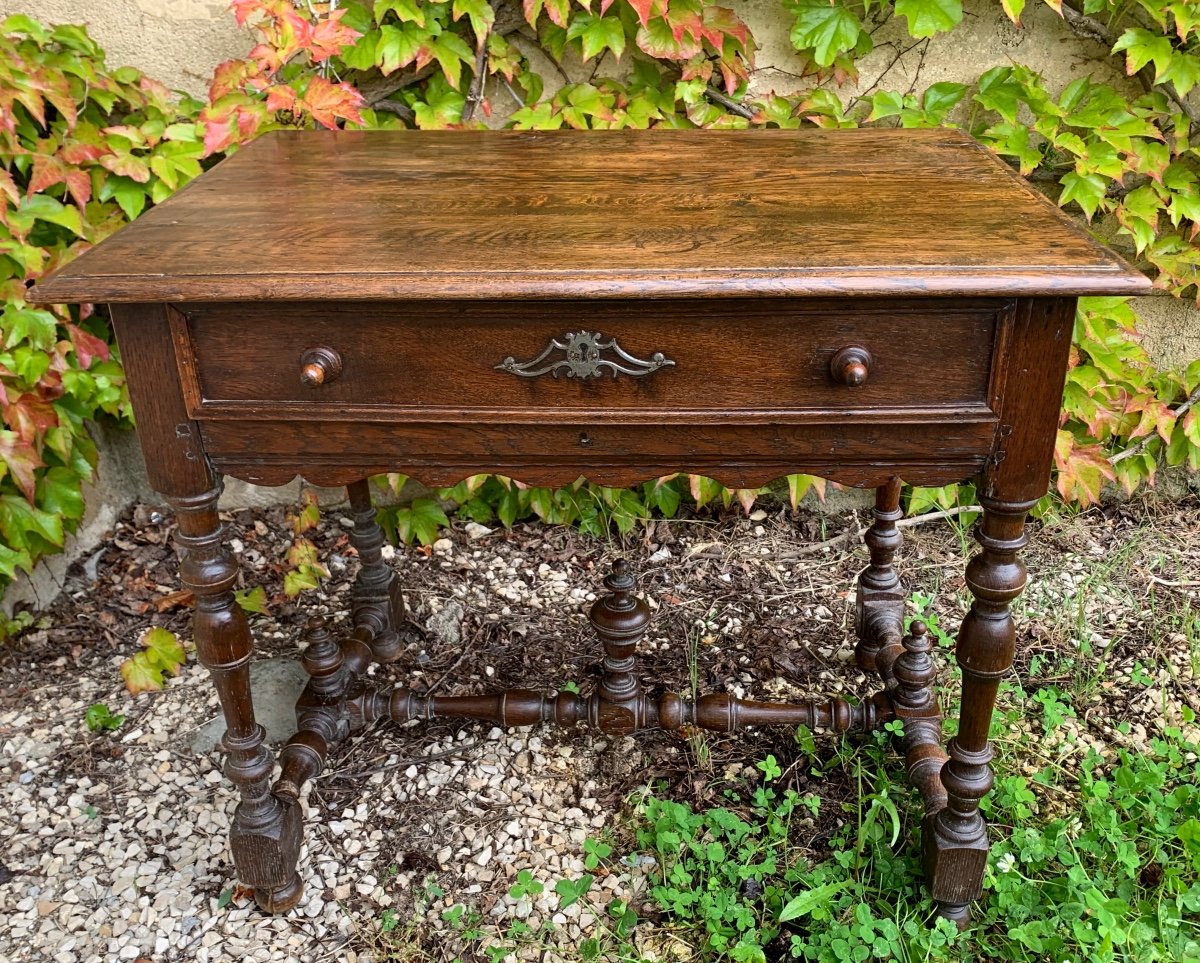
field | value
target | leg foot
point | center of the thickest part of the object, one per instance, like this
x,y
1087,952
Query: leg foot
x,y
266,832
957,913
270,853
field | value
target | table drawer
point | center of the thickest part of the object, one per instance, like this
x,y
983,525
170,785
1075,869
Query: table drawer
x,y
481,360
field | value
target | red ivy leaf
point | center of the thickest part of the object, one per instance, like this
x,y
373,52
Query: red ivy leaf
x,y
9,187
87,346
330,36
231,76
127,166
58,91
686,23
281,97
558,11
49,170
30,416
643,8
1155,416
330,102
1082,469
77,152
721,22
228,123
22,460
243,10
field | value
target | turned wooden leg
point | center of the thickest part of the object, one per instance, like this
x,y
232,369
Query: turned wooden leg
x,y
266,832
955,839
880,605
377,602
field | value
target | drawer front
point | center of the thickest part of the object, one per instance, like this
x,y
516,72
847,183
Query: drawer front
x,y
493,360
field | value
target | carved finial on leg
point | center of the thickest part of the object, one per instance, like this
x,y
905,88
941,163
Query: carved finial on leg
x,y
322,659
620,618
915,672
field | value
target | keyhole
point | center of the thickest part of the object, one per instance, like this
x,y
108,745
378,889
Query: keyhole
x,y
584,439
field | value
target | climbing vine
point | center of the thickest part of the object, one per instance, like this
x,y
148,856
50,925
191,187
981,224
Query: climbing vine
x,y
83,148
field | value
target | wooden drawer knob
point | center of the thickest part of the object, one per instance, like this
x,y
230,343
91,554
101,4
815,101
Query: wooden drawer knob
x,y
319,366
851,366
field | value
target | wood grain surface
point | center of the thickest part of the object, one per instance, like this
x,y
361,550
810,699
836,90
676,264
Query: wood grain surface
x,y
519,214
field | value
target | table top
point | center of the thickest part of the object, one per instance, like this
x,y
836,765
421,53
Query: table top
x,y
302,215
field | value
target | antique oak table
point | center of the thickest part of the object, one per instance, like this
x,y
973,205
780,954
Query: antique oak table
x,y
873,306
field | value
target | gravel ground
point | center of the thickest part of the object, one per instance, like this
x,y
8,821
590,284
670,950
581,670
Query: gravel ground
x,y
114,845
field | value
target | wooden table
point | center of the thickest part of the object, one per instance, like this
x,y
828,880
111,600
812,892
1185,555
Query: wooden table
x,y
868,305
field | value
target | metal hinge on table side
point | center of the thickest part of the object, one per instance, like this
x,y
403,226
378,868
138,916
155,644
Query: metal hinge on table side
x,y
193,450
997,455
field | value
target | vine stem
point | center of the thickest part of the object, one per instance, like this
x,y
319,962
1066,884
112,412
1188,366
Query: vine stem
x,y
857,532
478,78
1137,449
728,103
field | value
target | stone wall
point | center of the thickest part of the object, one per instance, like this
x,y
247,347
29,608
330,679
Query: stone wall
x,y
175,41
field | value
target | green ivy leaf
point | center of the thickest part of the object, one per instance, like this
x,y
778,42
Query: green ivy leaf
x,y
1013,140
25,323
164,653
827,29
299,580
597,34
409,11
43,207
59,493
363,54
99,718
140,675
443,105
479,12
942,97
1013,9
1086,190
421,521
451,52
130,195
12,559
398,47
1142,47
1183,72
164,649
663,496
22,24
998,90
252,600
928,17
19,520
